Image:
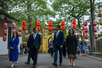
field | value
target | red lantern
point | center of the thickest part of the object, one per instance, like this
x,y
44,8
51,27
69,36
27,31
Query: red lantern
x,y
24,23
39,28
79,34
50,24
4,38
73,22
62,23
73,26
63,28
5,32
38,24
14,25
13,31
26,36
85,23
26,32
83,32
94,23
20,29
5,25
83,27
86,36
50,28
95,36
95,29
86,29
24,27
20,34
80,30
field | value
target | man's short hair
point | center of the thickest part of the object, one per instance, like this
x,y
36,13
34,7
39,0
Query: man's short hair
x,y
58,27
34,28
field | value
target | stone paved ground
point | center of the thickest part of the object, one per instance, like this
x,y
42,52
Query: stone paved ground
x,y
45,61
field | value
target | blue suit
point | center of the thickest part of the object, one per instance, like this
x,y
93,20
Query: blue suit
x,y
13,54
34,46
58,41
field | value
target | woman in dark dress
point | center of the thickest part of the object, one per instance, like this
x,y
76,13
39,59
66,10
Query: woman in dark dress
x,y
13,55
71,44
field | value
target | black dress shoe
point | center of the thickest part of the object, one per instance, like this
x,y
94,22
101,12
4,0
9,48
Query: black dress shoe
x,y
60,64
27,63
54,64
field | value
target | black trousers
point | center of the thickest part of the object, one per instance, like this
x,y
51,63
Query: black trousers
x,y
34,55
64,51
51,51
28,60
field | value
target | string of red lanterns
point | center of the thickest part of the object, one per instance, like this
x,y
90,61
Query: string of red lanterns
x,y
50,26
38,26
74,24
63,25
5,32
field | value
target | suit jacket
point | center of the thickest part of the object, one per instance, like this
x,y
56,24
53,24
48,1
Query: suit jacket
x,y
34,42
59,40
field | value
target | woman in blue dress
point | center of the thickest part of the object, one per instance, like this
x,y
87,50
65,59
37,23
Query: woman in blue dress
x,y
13,46
80,47
85,47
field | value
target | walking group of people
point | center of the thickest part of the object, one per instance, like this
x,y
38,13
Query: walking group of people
x,y
83,48
23,48
57,44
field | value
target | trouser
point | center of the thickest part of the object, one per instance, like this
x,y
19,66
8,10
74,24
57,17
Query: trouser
x,y
56,54
64,51
34,54
51,51
28,60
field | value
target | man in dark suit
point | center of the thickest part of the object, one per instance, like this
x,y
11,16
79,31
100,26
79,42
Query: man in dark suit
x,y
28,59
34,46
58,45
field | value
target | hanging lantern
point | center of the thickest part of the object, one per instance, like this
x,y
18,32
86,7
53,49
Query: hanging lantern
x,y
86,29
26,36
83,27
100,21
50,24
79,34
95,36
94,23
86,36
62,23
79,30
4,38
24,23
50,28
100,13
5,25
83,32
14,25
63,28
95,29
5,32
13,31
85,23
24,27
20,29
73,26
39,28
20,34
26,32
38,24
73,22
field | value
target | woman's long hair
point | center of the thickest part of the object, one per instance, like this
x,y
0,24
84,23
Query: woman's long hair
x,y
81,42
16,34
70,33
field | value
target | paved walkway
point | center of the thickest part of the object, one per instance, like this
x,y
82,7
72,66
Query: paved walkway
x,y
45,61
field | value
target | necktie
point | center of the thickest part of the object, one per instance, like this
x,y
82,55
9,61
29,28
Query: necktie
x,y
56,34
34,36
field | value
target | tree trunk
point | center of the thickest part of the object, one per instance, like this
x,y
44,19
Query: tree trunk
x,y
29,17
